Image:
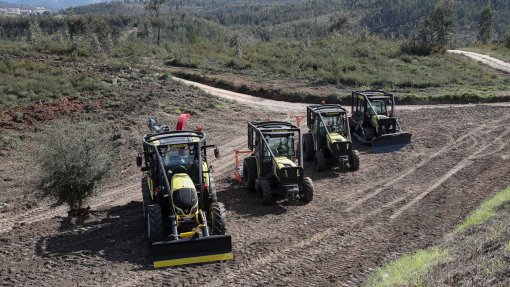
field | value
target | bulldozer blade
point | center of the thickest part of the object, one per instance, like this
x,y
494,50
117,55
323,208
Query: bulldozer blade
x,y
390,142
191,251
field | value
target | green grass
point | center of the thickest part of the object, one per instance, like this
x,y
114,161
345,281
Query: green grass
x,y
10,141
408,269
26,81
486,210
342,61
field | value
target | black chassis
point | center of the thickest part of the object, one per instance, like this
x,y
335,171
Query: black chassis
x,y
290,179
343,150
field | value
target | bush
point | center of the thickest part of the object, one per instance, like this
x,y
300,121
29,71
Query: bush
x,y
507,40
434,35
73,160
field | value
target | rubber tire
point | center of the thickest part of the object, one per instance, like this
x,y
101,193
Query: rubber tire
x,y
210,196
249,173
146,196
354,160
154,223
320,161
218,218
264,191
308,149
307,190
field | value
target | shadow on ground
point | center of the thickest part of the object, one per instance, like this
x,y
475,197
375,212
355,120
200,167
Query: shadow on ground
x,y
116,234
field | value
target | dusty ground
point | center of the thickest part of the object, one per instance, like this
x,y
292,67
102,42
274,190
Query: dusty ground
x,y
394,204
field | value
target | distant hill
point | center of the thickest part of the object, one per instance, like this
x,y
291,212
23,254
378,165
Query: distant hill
x,y
4,4
54,4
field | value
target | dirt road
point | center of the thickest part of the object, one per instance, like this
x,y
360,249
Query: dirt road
x,y
488,60
396,203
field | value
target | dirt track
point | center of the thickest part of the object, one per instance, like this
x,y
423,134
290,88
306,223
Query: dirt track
x,y
487,60
395,203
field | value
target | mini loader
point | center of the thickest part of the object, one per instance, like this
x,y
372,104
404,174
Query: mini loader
x,y
275,166
328,141
185,222
374,121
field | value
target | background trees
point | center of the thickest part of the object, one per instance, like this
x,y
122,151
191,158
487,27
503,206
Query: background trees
x,y
486,24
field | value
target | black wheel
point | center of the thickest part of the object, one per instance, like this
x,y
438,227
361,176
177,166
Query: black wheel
x,y
264,191
249,173
146,197
218,218
354,160
154,223
308,147
320,161
210,195
307,190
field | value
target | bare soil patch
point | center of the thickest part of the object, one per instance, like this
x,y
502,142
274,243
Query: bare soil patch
x,y
396,203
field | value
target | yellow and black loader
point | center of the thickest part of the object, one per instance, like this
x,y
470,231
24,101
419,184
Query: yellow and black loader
x,y
374,121
275,166
185,222
328,142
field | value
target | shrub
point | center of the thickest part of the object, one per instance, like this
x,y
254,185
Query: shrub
x,y
73,160
507,40
434,34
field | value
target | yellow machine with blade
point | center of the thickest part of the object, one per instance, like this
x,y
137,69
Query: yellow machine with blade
x,y
374,121
185,222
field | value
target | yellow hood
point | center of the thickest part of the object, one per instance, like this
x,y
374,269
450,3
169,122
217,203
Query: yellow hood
x,y
336,137
181,180
284,161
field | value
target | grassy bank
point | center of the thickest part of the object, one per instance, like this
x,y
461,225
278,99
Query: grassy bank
x,y
342,97
475,251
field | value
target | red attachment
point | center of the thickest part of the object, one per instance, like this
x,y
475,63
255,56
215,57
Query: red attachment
x,y
237,168
181,121
157,190
298,119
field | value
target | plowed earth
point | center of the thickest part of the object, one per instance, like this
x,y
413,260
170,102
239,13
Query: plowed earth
x,y
396,203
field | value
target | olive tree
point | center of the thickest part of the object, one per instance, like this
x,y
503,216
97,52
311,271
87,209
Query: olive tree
x,y
73,159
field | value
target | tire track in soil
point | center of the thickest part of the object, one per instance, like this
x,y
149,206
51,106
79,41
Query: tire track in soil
x,y
280,259
337,243
446,147
462,164
315,241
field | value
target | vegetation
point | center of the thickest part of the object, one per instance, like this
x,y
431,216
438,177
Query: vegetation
x,y
408,270
431,266
320,42
434,35
487,210
73,159
486,24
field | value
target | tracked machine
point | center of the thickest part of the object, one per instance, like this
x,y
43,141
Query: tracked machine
x,y
185,222
374,121
328,142
274,167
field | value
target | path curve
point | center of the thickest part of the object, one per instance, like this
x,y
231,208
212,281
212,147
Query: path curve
x,y
488,60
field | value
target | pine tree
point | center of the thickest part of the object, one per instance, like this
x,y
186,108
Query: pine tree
x,y
154,6
486,24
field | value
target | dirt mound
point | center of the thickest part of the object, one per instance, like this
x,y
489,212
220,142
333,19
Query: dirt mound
x,y
34,114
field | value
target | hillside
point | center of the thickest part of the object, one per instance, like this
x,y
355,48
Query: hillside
x,y
390,19
54,4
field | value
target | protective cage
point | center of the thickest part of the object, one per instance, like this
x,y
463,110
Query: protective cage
x,y
173,249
